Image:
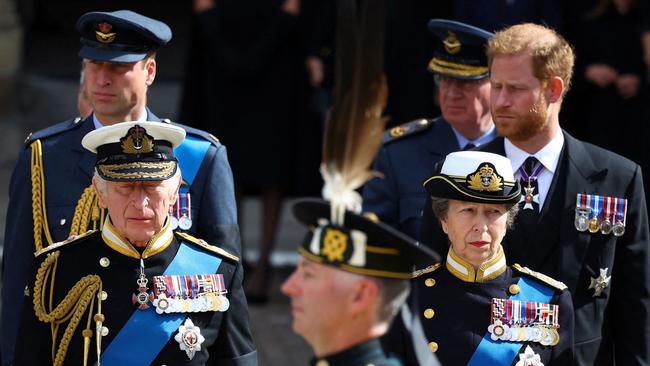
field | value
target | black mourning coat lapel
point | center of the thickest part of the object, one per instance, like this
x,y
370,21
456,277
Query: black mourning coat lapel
x,y
582,176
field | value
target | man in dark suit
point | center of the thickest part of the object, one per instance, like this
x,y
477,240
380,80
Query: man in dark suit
x,y
460,70
583,217
50,198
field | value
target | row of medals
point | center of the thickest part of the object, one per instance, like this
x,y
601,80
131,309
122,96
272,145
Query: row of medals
x,y
204,302
209,301
584,223
540,334
184,222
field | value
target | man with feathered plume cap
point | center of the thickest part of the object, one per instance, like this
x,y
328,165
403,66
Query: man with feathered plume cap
x,y
352,277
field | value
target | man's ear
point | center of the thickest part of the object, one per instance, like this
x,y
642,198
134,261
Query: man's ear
x,y
364,295
555,89
100,194
150,68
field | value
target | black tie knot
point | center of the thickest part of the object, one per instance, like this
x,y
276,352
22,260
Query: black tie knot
x,y
529,164
469,146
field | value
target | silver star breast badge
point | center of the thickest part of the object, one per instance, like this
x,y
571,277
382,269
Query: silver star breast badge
x,y
600,283
529,358
189,338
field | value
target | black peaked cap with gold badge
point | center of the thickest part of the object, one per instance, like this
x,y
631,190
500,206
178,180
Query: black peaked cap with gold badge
x,y
474,176
135,151
363,245
120,36
459,50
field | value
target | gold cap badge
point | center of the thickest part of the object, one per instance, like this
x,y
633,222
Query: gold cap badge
x,y
452,44
485,179
104,34
137,141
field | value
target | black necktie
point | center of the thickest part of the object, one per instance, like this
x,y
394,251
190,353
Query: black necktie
x,y
469,146
529,171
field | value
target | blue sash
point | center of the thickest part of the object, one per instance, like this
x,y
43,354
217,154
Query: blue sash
x,y
496,353
190,155
146,333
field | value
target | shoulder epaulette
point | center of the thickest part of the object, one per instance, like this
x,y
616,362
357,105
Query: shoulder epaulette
x,y
195,132
430,269
406,129
53,130
203,244
558,285
58,245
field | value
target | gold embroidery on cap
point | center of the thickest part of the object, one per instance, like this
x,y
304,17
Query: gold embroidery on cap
x,y
452,44
485,179
115,171
103,35
137,141
334,244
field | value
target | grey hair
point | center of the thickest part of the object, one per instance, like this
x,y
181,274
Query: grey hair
x,y
440,207
393,294
172,182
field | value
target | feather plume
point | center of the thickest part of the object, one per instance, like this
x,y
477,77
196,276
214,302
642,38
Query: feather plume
x,y
355,124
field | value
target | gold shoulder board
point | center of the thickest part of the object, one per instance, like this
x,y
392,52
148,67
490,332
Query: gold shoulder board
x,y
540,276
58,245
406,129
202,243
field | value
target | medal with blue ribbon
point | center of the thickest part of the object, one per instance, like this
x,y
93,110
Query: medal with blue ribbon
x,y
594,222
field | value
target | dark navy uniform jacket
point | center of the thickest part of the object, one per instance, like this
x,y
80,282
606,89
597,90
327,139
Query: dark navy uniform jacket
x,y
455,314
406,160
612,327
68,169
364,354
227,337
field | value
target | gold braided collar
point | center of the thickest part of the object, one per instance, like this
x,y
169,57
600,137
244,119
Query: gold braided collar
x,y
487,271
156,244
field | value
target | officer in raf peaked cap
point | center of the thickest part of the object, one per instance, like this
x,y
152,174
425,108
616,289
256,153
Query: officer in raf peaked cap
x,y
50,194
135,292
409,152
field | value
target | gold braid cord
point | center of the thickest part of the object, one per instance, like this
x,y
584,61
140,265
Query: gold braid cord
x,y
87,212
38,198
79,300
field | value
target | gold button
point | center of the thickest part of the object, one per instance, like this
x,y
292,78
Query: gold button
x,y
103,296
104,262
514,289
433,346
430,282
322,363
104,331
429,313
